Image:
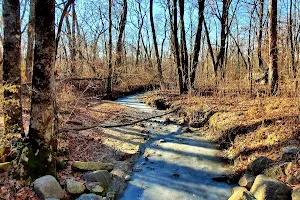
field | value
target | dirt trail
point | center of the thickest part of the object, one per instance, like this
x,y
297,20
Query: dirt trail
x,y
178,166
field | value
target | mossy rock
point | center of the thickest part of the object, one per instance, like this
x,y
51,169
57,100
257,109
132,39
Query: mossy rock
x,y
92,166
274,172
5,166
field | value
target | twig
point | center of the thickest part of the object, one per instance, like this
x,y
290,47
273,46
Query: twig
x,y
113,126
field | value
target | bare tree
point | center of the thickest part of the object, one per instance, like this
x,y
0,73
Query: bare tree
x,y
30,40
260,34
176,47
197,44
224,30
119,48
110,67
11,71
41,137
273,65
158,61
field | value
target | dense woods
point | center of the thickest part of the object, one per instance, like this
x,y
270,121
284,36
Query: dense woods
x,y
55,53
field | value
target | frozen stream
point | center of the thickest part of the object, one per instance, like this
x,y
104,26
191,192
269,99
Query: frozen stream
x,y
179,166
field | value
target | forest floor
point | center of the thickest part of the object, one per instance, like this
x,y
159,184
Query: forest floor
x,y
243,127
96,144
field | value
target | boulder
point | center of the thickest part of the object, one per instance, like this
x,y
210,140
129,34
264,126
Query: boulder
x,y
74,187
238,188
265,188
242,195
289,153
92,166
103,177
296,193
247,181
96,187
258,165
89,197
48,187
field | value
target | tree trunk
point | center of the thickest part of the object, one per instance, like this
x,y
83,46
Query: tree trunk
x,y
183,48
110,67
197,45
176,47
41,137
30,41
119,50
12,105
273,65
159,69
224,27
211,52
260,32
291,40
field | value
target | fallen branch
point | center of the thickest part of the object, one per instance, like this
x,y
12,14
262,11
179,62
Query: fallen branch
x,y
113,126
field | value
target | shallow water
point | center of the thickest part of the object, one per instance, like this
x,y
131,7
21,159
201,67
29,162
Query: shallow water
x,y
179,166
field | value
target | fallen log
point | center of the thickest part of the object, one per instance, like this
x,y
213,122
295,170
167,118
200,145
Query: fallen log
x,y
113,126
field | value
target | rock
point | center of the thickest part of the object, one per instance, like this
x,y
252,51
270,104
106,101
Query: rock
x,y
274,172
186,130
289,168
181,121
289,153
167,121
48,187
247,181
5,166
137,169
265,188
89,197
103,177
162,141
258,165
92,166
238,188
96,187
292,180
297,174
127,178
242,195
296,193
74,187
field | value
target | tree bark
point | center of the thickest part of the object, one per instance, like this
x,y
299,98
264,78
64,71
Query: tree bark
x,y
41,137
119,50
183,48
291,40
12,105
176,47
260,32
273,63
224,27
197,45
158,61
110,67
30,41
